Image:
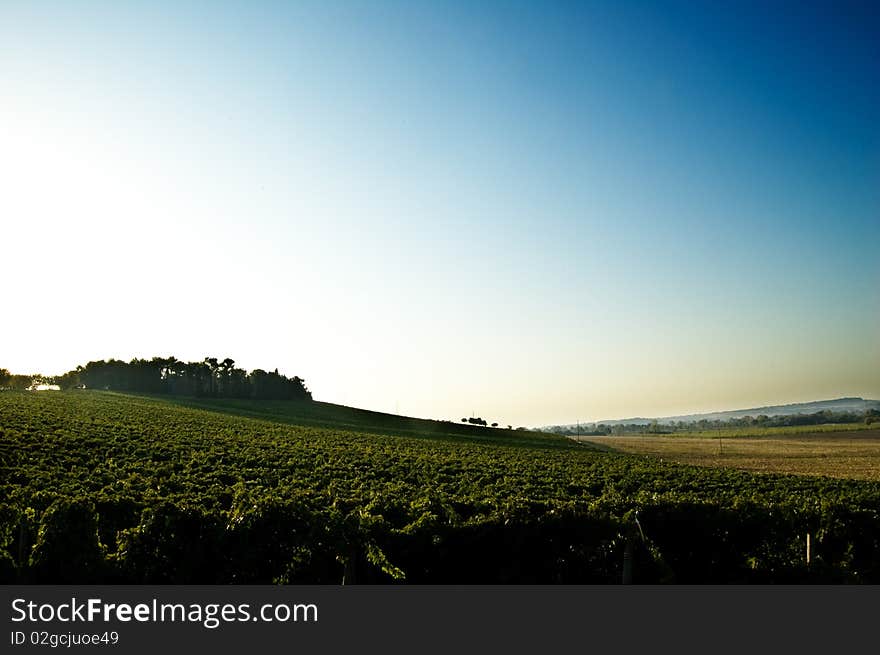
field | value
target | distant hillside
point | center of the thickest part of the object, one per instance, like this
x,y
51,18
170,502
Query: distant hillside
x,y
858,405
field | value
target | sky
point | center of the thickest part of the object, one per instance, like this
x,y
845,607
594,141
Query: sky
x,y
536,213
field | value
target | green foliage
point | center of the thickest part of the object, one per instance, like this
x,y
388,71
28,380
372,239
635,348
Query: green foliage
x,y
67,550
98,487
17,382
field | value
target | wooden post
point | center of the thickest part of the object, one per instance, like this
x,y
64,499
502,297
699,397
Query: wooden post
x,y
22,536
627,562
348,573
808,549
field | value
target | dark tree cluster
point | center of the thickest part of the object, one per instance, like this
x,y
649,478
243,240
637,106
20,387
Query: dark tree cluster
x,y
208,378
17,382
481,421
814,418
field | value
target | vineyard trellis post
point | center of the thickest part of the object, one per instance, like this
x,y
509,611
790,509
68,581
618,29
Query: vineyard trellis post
x,y
22,533
627,560
348,571
628,549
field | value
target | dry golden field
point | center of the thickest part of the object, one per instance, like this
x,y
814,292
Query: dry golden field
x,y
844,454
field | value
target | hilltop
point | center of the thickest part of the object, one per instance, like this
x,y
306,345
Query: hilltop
x,y
318,414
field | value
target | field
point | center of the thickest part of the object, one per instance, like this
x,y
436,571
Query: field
x,y
831,451
108,487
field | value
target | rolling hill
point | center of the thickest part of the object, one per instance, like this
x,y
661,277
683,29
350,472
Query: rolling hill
x,y
857,405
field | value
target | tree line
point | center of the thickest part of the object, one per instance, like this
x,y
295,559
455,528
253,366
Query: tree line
x,y
823,417
210,378
16,382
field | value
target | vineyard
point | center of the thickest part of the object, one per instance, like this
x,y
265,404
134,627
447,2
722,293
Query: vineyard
x,y
100,487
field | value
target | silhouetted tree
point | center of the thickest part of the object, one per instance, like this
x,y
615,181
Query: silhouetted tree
x,y
209,377
69,380
20,382
213,369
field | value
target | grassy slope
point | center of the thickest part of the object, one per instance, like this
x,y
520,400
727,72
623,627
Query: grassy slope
x,y
350,419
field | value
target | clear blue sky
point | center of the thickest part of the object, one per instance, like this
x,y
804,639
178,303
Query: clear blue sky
x,y
533,212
